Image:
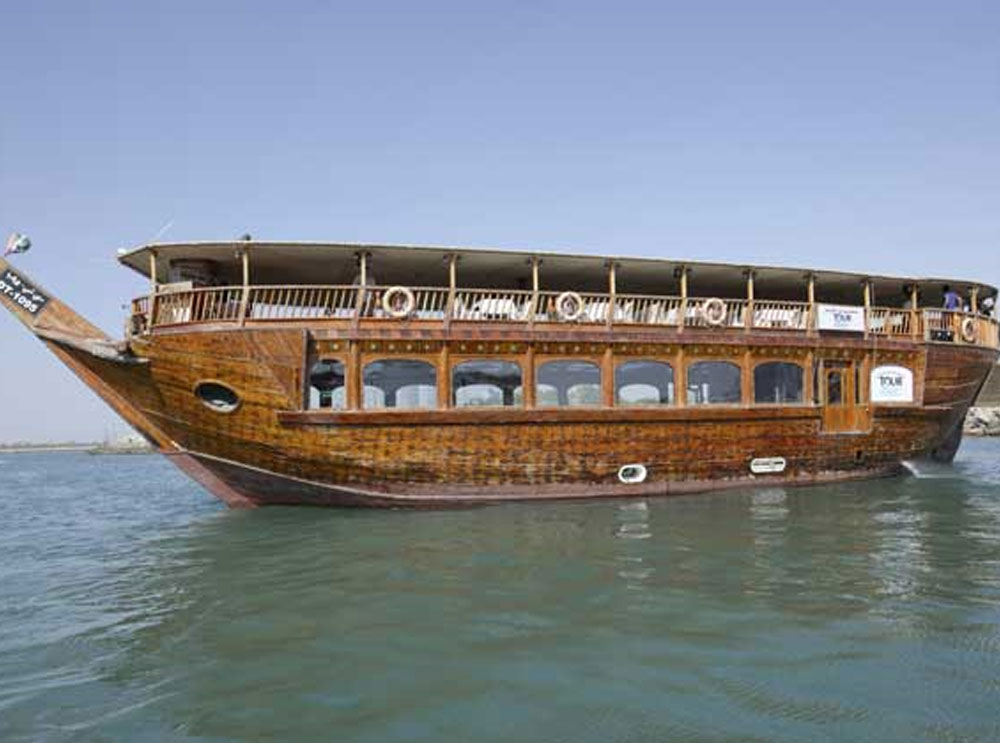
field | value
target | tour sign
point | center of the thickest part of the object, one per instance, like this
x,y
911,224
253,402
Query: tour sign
x,y
840,317
891,384
20,293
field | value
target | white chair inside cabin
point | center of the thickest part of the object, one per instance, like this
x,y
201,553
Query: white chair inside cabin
x,y
374,397
638,394
545,395
416,396
479,395
583,394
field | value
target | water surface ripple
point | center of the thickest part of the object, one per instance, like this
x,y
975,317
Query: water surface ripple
x,y
133,607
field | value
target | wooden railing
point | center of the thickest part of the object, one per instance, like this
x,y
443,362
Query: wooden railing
x,y
768,315
699,315
637,309
264,304
895,323
489,305
301,302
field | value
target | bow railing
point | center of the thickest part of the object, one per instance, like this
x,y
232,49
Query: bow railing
x,y
171,307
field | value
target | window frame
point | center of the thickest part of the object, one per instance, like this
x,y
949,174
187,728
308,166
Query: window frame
x,y
370,358
621,360
597,361
307,376
753,383
454,361
738,362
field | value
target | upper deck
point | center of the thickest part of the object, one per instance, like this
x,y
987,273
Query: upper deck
x,y
253,284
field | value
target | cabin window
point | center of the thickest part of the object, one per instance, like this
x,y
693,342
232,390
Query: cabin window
x,y
713,383
486,383
644,383
400,383
568,383
326,385
778,382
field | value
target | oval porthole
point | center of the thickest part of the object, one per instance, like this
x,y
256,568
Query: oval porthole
x,y
217,397
632,473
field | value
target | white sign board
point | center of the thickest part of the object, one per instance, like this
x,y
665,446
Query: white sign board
x,y
767,465
891,384
840,317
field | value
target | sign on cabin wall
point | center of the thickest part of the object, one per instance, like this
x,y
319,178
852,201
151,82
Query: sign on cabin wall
x,y
21,293
891,384
840,317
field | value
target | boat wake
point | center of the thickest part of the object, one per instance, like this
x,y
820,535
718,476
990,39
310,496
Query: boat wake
x,y
926,470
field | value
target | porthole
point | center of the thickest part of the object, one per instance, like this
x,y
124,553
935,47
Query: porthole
x,y
217,397
631,474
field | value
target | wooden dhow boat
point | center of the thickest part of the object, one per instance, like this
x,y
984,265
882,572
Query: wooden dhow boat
x,y
378,375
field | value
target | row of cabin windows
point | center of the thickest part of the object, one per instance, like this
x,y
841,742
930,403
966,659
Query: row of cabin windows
x,y
403,383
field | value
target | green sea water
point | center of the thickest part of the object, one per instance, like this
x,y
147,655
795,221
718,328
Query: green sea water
x,y
133,607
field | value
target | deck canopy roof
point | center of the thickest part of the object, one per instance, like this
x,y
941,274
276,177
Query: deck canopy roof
x,y
281,263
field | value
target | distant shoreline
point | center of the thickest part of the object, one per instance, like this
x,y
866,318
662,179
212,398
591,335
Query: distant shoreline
x,y
94,447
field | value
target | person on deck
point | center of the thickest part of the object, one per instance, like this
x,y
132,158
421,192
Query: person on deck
x,y
951,299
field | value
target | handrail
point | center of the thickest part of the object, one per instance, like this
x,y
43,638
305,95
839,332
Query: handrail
x,y
277,303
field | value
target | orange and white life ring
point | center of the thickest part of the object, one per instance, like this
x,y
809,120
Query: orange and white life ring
x,y
398,301
714,311
969,330
569,306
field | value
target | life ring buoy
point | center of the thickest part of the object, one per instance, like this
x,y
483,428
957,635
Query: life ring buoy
x,y
714,311
969,330
398,301
569,306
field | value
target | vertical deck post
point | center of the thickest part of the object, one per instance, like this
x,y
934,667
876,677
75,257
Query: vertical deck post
x,y
359,302
684,297
529,376
914,313
612,292
680,379
245,299
535,263
868,304
608,377
152,288
449,307
748,316
974,300
444,377
355,390
811,297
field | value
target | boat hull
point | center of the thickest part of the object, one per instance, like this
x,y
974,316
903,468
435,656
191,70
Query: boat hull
x,y
269,451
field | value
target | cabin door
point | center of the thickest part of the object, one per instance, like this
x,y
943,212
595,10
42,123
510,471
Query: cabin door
x,y
842,396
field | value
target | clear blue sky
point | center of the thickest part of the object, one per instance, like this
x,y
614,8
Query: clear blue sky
x,y
862,135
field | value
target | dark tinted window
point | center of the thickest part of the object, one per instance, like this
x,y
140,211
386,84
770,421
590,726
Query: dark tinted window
x,y
400,383
644,383
562,383
486,383
326,385
713,383
778,382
